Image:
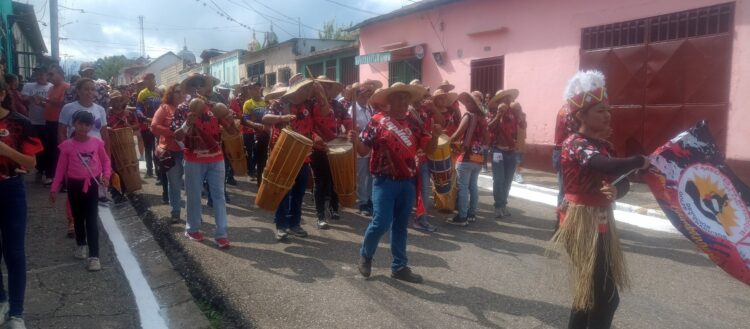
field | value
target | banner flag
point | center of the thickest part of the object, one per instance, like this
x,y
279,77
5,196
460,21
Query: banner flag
x,y
704,199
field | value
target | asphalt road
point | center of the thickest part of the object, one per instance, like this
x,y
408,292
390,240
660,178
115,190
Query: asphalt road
x,y
492,274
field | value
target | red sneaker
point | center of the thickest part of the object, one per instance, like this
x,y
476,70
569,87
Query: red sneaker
x,y
223,243
195,236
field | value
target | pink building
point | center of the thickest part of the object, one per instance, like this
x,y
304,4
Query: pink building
x,y
669,63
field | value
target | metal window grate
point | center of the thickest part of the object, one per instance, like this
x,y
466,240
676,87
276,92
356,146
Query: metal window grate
x,y
349,71
685,24
487,74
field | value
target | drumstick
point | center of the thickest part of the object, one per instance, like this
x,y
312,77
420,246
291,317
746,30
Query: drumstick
x,y
619,179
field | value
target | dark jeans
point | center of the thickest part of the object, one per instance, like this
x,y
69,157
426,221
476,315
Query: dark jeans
x,y
606,298
85,208
13,234
323,183
261,153
148,144
50,153
503,168
249,141
289,212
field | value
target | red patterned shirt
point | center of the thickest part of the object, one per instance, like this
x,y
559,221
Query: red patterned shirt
x,y
306,112
564,125
394,145
578,176
17,132
122,119
474,152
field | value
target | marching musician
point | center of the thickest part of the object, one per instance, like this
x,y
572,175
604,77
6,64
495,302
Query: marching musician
x,y
200,122
300,105
162,125
392,140
504,124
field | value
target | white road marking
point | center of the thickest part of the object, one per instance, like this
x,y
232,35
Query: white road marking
x,y
148,308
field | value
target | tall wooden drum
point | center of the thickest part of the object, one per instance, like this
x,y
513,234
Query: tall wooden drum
x,y
125,159
234,147
284,163
446,202
440,165
342,161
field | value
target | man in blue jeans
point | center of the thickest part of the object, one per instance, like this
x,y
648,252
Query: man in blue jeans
x,y
503,128
392,140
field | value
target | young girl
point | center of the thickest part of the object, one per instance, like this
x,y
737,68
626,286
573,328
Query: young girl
x,y
18,148
84,164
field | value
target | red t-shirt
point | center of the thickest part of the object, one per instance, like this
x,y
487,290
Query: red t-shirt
x,y
16,131
328,127
236,106
474,152
203,144
307,112
505,132
394,145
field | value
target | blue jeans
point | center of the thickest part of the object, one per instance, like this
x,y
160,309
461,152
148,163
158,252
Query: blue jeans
x,y
213,173
468,175
424,175
504,165
289,212
174,177
13,234
556,165
364,181
392,202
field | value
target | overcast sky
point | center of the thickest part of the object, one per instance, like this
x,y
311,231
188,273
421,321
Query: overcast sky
x,y
107,27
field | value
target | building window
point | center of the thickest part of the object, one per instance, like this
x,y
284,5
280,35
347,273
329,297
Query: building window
x,y
349,71
256,71
314,70
487,74
404,71
285,74
331,69
270,79
685,24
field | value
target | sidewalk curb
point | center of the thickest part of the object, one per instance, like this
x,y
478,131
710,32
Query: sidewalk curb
x,y
190,269
485,182
177,305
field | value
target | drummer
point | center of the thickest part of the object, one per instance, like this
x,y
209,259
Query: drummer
x,y
362,92
200,130
297,109
392,139
503,128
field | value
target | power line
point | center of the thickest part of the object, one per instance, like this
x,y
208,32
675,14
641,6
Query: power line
x,y
291,19
267,17
354,8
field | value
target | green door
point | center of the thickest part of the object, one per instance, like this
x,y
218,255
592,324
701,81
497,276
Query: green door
x,y
404,71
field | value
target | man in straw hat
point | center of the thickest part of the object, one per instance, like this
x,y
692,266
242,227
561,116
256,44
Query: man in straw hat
x,y
587,230
472,132
303,102
148,101
197,123
392,139
364,112
504,123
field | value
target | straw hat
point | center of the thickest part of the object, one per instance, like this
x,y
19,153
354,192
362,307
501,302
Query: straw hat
x,y
276,91
467,98
332,88
414,91
449,97
116,94
500,94
416,82
299,89
370,85
445,85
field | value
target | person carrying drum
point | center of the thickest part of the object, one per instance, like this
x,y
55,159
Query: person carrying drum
x,y
392,139
298,108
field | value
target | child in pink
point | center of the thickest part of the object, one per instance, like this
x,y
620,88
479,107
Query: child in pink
x,y
84,164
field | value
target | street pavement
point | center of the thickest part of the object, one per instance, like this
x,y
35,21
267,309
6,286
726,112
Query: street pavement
x,y
496,273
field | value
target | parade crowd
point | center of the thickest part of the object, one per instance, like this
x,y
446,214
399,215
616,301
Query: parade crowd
x,y
413,152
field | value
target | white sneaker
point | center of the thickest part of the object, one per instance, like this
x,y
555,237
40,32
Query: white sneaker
x,y
81,252
16,323
94,265
4,309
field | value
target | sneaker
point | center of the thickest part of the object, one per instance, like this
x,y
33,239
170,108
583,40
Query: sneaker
x,y
365,211
458,221
195,236
158,182
335,215
505,211
405,274
231,181
471,218
223,243
47,182
4,309
322,224
149,174
94,265
518,178
498,212
365,266
80,252
298,232
15,322
174,218
422,224
281,234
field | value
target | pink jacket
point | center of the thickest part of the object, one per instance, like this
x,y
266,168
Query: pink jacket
x,y
70,164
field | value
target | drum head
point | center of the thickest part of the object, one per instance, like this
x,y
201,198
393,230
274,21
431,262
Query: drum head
x,y
302,139
443,139
339,146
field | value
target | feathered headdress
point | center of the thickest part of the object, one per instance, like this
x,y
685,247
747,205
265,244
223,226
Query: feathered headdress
x,y
585,89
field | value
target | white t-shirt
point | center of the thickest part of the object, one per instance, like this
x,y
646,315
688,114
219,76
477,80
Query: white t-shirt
x,y
36,112
100,118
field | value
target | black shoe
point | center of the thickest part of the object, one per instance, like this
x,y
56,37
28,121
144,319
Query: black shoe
x,y
158,182
149,174
174,219
164,200
458,221
335,215
405,274
471,218
298,232
365,211
365,266
231,181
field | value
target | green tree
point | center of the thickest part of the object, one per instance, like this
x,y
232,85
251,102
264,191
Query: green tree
x,y
331,32
109,66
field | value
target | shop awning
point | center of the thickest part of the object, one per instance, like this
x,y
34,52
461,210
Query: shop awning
x,y
391,55
373,58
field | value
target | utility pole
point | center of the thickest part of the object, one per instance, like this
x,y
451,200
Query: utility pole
x,y
54,31
299,25
143,41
